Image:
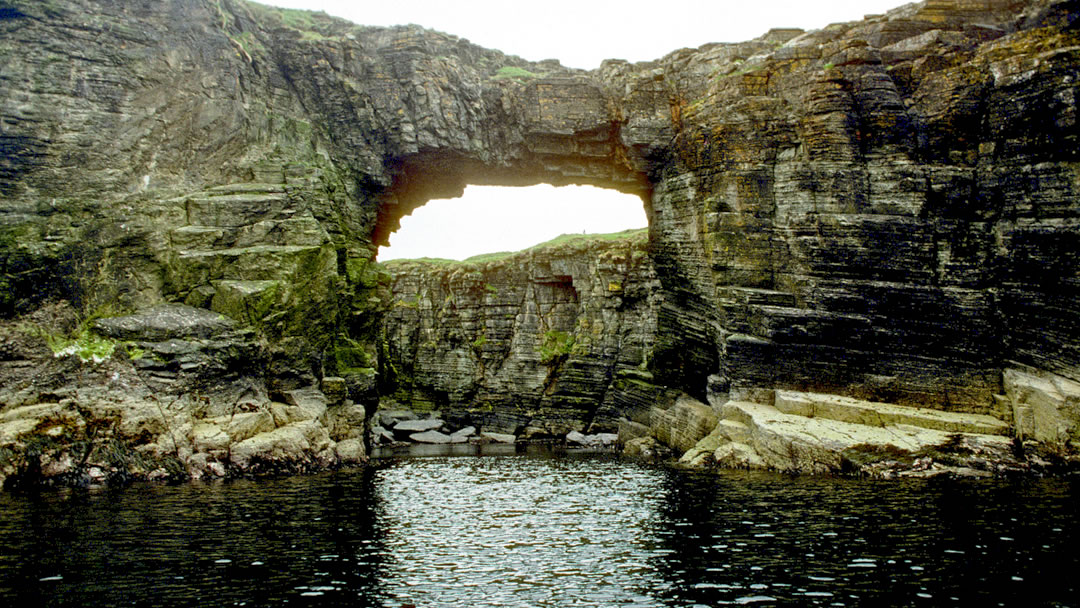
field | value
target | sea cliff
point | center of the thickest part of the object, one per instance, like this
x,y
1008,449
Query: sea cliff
x,y
876,214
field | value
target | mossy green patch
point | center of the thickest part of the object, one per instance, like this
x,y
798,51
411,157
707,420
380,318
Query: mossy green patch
x,y
556,346
514,73
84,342
246,301
296,18
351,356
362,272
87,346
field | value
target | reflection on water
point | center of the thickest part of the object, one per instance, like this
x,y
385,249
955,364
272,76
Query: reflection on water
x,y
543,530
520,531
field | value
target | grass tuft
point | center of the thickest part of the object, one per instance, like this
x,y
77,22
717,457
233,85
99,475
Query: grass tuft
x,y
511,72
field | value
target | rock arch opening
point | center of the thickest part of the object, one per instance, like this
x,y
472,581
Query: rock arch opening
x,y
491,219
528,340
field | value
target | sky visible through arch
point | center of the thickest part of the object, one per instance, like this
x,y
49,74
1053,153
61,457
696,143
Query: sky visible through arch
x,y
580,34
488,219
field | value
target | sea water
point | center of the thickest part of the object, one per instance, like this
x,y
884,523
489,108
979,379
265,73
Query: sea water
x,y
544,528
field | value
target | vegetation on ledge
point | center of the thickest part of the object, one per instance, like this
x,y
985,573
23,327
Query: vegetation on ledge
x,y
565,240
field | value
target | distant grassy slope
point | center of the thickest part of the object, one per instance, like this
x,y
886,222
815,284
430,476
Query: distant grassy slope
x,y
565,240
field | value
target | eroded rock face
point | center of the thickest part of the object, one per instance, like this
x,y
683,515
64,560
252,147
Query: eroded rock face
x,y
884,209
533,343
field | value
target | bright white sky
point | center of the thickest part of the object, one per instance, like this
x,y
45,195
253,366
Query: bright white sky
x,y
580,34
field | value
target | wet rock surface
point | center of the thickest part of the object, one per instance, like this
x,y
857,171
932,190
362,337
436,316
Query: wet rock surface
x,y
883,210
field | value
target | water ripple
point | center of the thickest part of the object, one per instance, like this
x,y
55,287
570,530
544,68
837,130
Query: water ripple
x,y
543,530
519,531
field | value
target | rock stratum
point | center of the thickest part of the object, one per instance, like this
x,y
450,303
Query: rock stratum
x,y
875,215
536,344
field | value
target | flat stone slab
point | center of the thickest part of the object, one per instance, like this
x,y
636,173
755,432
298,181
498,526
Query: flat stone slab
x,y
607,439
499,437
846,409
165,322
592,441
431,437
389,418
763,436
466,432
418,426
381,435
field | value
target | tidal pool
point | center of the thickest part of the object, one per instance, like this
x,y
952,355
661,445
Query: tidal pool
x,y
544,528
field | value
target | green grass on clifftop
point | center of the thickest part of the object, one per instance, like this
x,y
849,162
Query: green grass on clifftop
x,y
559,242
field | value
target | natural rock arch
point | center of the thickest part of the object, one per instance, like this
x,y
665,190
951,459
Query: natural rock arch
x,y
421,178
877,209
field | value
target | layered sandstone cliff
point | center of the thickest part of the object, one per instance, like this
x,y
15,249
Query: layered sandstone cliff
x,y
535,344
882,210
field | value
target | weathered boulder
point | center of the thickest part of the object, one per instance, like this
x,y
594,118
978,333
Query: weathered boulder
x,y
351,451
683,424
845,435
434,437
846,409
334,388
165,322
498,437
345,421
418,426
1045,408
310,402
463,435
389,418
381,436
647,448
598,440
297,446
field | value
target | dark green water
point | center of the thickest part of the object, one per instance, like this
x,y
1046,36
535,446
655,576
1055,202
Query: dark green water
x,y
544,529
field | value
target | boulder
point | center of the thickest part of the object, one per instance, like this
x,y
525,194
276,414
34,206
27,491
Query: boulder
x,y
499,437
628,430
334,388
389,418
165,322
434,437
756,435
246,425
646,447
296,444
381,436
682,425
351,451
468,431
418,426
576,438
1045,407
463,435
209,437
310,402
599,440
345,421
607,439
